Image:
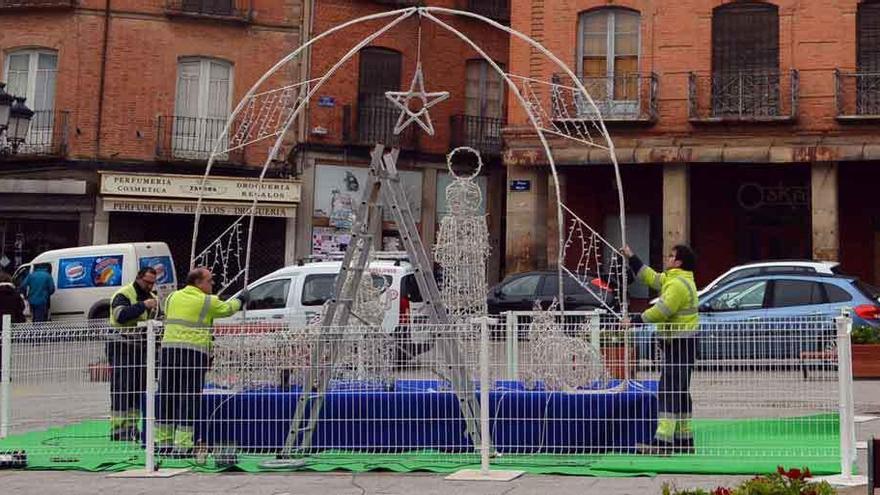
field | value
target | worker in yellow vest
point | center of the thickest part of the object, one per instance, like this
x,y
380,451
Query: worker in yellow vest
x,y
185,358
677,320
127,352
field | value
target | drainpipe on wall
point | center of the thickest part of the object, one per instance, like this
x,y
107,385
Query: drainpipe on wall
x,y
103,77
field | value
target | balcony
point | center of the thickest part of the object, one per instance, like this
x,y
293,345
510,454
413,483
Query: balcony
x,y
743,96
481,133
375,124
191,139
498,10
47,137
225,10
857,96
626,98
401,3
36,4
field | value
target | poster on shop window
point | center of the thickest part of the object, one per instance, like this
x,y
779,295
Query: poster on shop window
x,y
89,272
339,189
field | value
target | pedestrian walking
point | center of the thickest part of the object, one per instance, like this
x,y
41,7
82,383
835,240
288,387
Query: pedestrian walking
x,y
38,288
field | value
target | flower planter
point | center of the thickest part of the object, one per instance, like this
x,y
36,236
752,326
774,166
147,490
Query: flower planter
x,y
613,356
866,360
99,372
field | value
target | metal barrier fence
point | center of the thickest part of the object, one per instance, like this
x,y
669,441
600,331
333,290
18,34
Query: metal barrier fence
x,y
548,384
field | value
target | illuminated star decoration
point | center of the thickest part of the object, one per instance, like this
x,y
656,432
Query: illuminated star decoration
x,y
416,91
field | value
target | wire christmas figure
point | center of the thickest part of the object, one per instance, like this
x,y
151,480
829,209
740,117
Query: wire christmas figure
x,y
462,246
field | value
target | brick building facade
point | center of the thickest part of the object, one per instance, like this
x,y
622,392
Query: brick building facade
x,y
748,129
350,114
129,92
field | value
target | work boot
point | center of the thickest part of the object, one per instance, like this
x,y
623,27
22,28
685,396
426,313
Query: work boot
x,y
684,446
125,434
658,448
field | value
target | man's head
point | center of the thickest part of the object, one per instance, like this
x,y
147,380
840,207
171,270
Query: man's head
x,y
5,278
681,256
202,278
146,278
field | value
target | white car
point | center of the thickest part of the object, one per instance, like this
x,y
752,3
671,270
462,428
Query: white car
x,y
790,267
295,295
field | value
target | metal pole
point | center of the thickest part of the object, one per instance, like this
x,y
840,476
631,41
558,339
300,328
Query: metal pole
x,y
484,396
150,419
5,369
510,325
844,377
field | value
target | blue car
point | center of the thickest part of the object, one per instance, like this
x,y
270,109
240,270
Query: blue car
x,y
775,316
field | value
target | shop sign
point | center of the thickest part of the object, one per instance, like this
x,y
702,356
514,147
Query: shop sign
x,y
753,196
189,208
189,186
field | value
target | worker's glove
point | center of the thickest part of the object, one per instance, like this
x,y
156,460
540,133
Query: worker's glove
x,y
244,296
635,264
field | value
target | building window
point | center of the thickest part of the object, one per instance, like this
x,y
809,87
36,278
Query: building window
x,y
484,92
868,59
379,72
608,54
480,126
204,87
745,60
31,74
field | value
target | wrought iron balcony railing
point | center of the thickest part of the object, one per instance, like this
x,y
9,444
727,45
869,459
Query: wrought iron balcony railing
x,y
230,10
37,4
617,98
857,95
47,137
401,3
498,10
748,96
375,124
191,138
481,133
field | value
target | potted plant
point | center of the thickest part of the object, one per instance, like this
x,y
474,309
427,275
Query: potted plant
x,y
782,482
865,352
614,350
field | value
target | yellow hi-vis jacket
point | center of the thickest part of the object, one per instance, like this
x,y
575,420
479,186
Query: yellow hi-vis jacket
x,y
130,293
189,315
675,312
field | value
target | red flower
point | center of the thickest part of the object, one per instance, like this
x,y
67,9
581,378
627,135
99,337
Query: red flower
x,y
792,474
721,491
807,473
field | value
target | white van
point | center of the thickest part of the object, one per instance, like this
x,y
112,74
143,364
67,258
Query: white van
x,y
86,277
295,295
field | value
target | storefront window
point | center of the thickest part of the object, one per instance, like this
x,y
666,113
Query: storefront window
x,y
338,191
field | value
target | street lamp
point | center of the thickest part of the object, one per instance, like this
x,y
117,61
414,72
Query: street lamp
x,y
15,121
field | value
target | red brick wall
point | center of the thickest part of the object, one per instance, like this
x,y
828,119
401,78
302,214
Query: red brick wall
x,y
676,38
443,58
141,73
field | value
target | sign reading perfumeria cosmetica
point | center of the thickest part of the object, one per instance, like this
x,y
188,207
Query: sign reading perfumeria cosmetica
x,y
189,186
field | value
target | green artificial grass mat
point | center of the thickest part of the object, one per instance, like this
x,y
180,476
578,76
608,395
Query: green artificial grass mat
x,y
757,446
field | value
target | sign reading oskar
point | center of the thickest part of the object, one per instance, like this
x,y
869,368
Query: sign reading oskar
x,y
177,194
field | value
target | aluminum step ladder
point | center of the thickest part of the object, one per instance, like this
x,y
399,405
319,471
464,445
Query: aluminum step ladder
x,y
383,184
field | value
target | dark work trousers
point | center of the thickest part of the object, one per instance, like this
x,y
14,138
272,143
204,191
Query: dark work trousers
x,y
128,379
674,397
181,380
